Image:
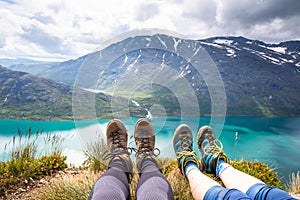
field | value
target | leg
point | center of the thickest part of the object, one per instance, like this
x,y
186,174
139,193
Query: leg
x,y
214,160
152,183
113,184
262,191
202,186
233,178
253,187
200,183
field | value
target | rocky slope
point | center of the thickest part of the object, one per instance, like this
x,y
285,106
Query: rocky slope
x,y
24,96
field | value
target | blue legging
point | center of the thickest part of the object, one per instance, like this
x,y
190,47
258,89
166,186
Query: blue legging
x,y
258,191
113,184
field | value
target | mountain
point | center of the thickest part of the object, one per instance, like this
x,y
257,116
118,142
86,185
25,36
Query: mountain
x,y
7,62
24,96
249,76
46,69
26,65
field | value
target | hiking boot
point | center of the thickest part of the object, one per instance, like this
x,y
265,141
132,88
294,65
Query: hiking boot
x,y
116,135
210,151
183,147
145,140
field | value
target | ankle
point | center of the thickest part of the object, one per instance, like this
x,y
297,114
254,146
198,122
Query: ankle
x,y
185,159
189,167
221,167
148,165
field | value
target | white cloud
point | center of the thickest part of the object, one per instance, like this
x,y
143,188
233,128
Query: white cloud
x,y
146,11
71,28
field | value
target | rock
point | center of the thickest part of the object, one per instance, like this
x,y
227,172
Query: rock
x,y
297,196
22,189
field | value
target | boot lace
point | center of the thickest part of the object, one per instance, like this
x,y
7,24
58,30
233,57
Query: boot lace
x,y
185,144
145,147
184,154
215,148
186,149
118,146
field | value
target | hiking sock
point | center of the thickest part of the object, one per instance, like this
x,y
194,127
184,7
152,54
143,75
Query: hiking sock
x,y
148,166
221,166
189,167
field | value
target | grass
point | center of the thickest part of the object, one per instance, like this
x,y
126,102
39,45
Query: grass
x,y
25,164
67,187
95,153
79,187
294,183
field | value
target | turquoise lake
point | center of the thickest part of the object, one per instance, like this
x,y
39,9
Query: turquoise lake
x,y
272,140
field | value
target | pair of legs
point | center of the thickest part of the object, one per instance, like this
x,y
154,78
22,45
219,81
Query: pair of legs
x,y
213,160
113,184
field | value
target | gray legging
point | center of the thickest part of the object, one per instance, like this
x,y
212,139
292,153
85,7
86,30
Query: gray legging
x,y
113,184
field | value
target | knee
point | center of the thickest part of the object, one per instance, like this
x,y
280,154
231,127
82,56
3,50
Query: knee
x,y
155,188
263,191
219,192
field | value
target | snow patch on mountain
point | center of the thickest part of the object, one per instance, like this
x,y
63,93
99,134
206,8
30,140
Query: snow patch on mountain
x,y
149,41
265,56
131,66
162,65
125,61
161,41
211,44
230,52
223,41
136,103
281,50
195,53
176,42
273,60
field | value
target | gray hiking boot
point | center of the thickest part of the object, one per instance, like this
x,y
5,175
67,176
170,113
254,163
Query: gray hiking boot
x,y
145,141
116,135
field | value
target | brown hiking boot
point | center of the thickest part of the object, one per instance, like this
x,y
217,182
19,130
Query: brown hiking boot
x,y
145,141
116,135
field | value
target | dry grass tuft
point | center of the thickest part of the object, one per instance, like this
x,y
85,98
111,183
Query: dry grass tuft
x,y
293,186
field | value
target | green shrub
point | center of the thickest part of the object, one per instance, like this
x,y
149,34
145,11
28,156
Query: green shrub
x,y
51,164
15,172
24,165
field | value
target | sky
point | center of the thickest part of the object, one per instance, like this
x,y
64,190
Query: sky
x,y
67,29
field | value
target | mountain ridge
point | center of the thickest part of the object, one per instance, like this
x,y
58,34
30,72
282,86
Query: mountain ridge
x,y
259,78
24,96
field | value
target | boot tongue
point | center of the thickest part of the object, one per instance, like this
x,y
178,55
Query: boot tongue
x,y
145,146
118,141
